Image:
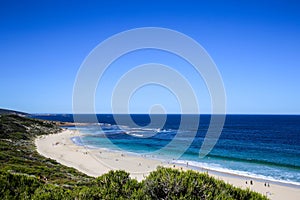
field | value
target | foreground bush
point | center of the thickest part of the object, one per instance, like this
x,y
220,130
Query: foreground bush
x,y
167,183
113,185
164,183
16,186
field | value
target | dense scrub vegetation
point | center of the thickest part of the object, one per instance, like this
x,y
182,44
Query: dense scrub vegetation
x,y
164,183
24,174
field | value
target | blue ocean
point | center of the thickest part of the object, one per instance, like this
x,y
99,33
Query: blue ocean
x,y
265,146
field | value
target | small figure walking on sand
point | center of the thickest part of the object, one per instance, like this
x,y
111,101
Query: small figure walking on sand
x,y
251,182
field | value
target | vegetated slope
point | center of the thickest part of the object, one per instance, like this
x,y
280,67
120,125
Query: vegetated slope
x,y
18,153
13,112
24,174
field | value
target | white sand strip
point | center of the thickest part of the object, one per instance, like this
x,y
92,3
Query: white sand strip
x,y
93,162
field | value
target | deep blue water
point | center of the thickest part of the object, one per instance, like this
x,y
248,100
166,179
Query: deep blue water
x,y
267,146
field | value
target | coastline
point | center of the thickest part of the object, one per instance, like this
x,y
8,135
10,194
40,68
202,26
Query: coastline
x,y
95,162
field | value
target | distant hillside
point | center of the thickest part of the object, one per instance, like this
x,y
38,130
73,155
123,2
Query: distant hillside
x,y
12,112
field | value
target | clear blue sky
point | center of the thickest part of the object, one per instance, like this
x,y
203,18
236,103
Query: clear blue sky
x,y
255,45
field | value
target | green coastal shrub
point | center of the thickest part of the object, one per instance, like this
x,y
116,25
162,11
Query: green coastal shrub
x,y
167,183
15,186
52,192
115,185
164,183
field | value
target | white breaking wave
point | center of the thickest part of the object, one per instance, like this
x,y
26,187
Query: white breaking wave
x,y
219,168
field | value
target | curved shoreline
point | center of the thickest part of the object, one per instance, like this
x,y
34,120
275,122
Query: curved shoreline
x,y
95,162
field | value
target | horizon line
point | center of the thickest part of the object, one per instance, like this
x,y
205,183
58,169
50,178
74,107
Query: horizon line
x,y
52,113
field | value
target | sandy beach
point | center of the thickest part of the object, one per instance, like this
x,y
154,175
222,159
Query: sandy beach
x,y
95,162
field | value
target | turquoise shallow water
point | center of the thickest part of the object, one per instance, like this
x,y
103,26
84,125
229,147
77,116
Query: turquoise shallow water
x,y
265,146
